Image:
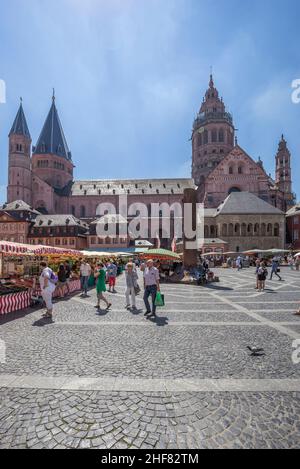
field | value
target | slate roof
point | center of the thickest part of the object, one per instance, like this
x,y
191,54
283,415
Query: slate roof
x,y
293,211
20,126
52,138
20,206
132,186
58,220
246,203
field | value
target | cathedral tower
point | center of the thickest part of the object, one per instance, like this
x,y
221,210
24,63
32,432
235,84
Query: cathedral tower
x,y
213,135
19,162
51,159
284,173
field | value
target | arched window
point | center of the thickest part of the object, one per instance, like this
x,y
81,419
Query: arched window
x,y
240,170
221,135
230,230
82,211
230,170
205,137
256,229
199,140
276,229
234,189
214,136
73,210
269,229
206,231
224,230
263,229
237,229
244,229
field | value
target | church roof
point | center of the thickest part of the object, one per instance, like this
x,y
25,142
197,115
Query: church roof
x,y
293,211
20,126
52,138
18,206
246,203
132,187
58,220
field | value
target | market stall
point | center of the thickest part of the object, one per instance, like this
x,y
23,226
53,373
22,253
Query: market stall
x,y
20,269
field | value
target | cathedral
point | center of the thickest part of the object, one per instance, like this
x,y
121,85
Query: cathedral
x,y
43,175
220,166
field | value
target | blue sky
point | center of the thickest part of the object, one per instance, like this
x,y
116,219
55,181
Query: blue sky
x,y
129,77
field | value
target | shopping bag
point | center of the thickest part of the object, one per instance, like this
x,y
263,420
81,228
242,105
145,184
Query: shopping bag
x,y
160,299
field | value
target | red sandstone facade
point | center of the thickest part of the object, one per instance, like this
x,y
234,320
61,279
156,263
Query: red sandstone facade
x,y
42,176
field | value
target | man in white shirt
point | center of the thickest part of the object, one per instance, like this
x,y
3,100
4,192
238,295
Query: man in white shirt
x,y
85,272
151,285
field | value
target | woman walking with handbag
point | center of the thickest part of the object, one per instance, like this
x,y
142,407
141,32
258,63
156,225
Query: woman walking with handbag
x,y
131,285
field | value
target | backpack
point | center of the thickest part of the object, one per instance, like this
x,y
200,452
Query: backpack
x,y
53,278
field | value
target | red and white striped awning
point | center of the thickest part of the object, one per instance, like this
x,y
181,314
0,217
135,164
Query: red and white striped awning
x,y
8,247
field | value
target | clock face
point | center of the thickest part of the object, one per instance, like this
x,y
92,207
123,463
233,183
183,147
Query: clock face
x,y
201,130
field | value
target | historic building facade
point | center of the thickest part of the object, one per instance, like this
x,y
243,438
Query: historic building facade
x,y
245,221
220,166
293,227
42,176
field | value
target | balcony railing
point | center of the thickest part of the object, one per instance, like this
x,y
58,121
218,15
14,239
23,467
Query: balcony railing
x,y
205,118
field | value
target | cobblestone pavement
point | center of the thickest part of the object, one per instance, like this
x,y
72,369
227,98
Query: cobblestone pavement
x,y
187,380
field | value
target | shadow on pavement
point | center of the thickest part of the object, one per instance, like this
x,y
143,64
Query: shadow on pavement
x,y
218,288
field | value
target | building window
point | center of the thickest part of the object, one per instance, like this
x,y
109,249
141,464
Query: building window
x,y
296,235
82,211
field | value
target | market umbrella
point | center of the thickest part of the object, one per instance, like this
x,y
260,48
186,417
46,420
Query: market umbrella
x,y
254,251
160,254
297,255
276,251
213,254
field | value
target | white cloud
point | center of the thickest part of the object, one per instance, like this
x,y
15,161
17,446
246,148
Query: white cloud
x,y
272,102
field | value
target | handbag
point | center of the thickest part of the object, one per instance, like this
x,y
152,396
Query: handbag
x,y
137,289
160,299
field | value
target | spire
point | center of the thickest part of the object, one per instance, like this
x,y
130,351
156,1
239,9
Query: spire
x,y
20,126
52,138
211,81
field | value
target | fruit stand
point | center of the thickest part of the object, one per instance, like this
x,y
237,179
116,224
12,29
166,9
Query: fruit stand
x,y
20,269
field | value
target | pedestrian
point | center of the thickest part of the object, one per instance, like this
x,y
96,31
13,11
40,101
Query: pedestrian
x,y
257,266
68,276
297,263
262,275
131,277
275,268
112,271
48,282
85,272
151,286
239,263
62,280
100,275
290,261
